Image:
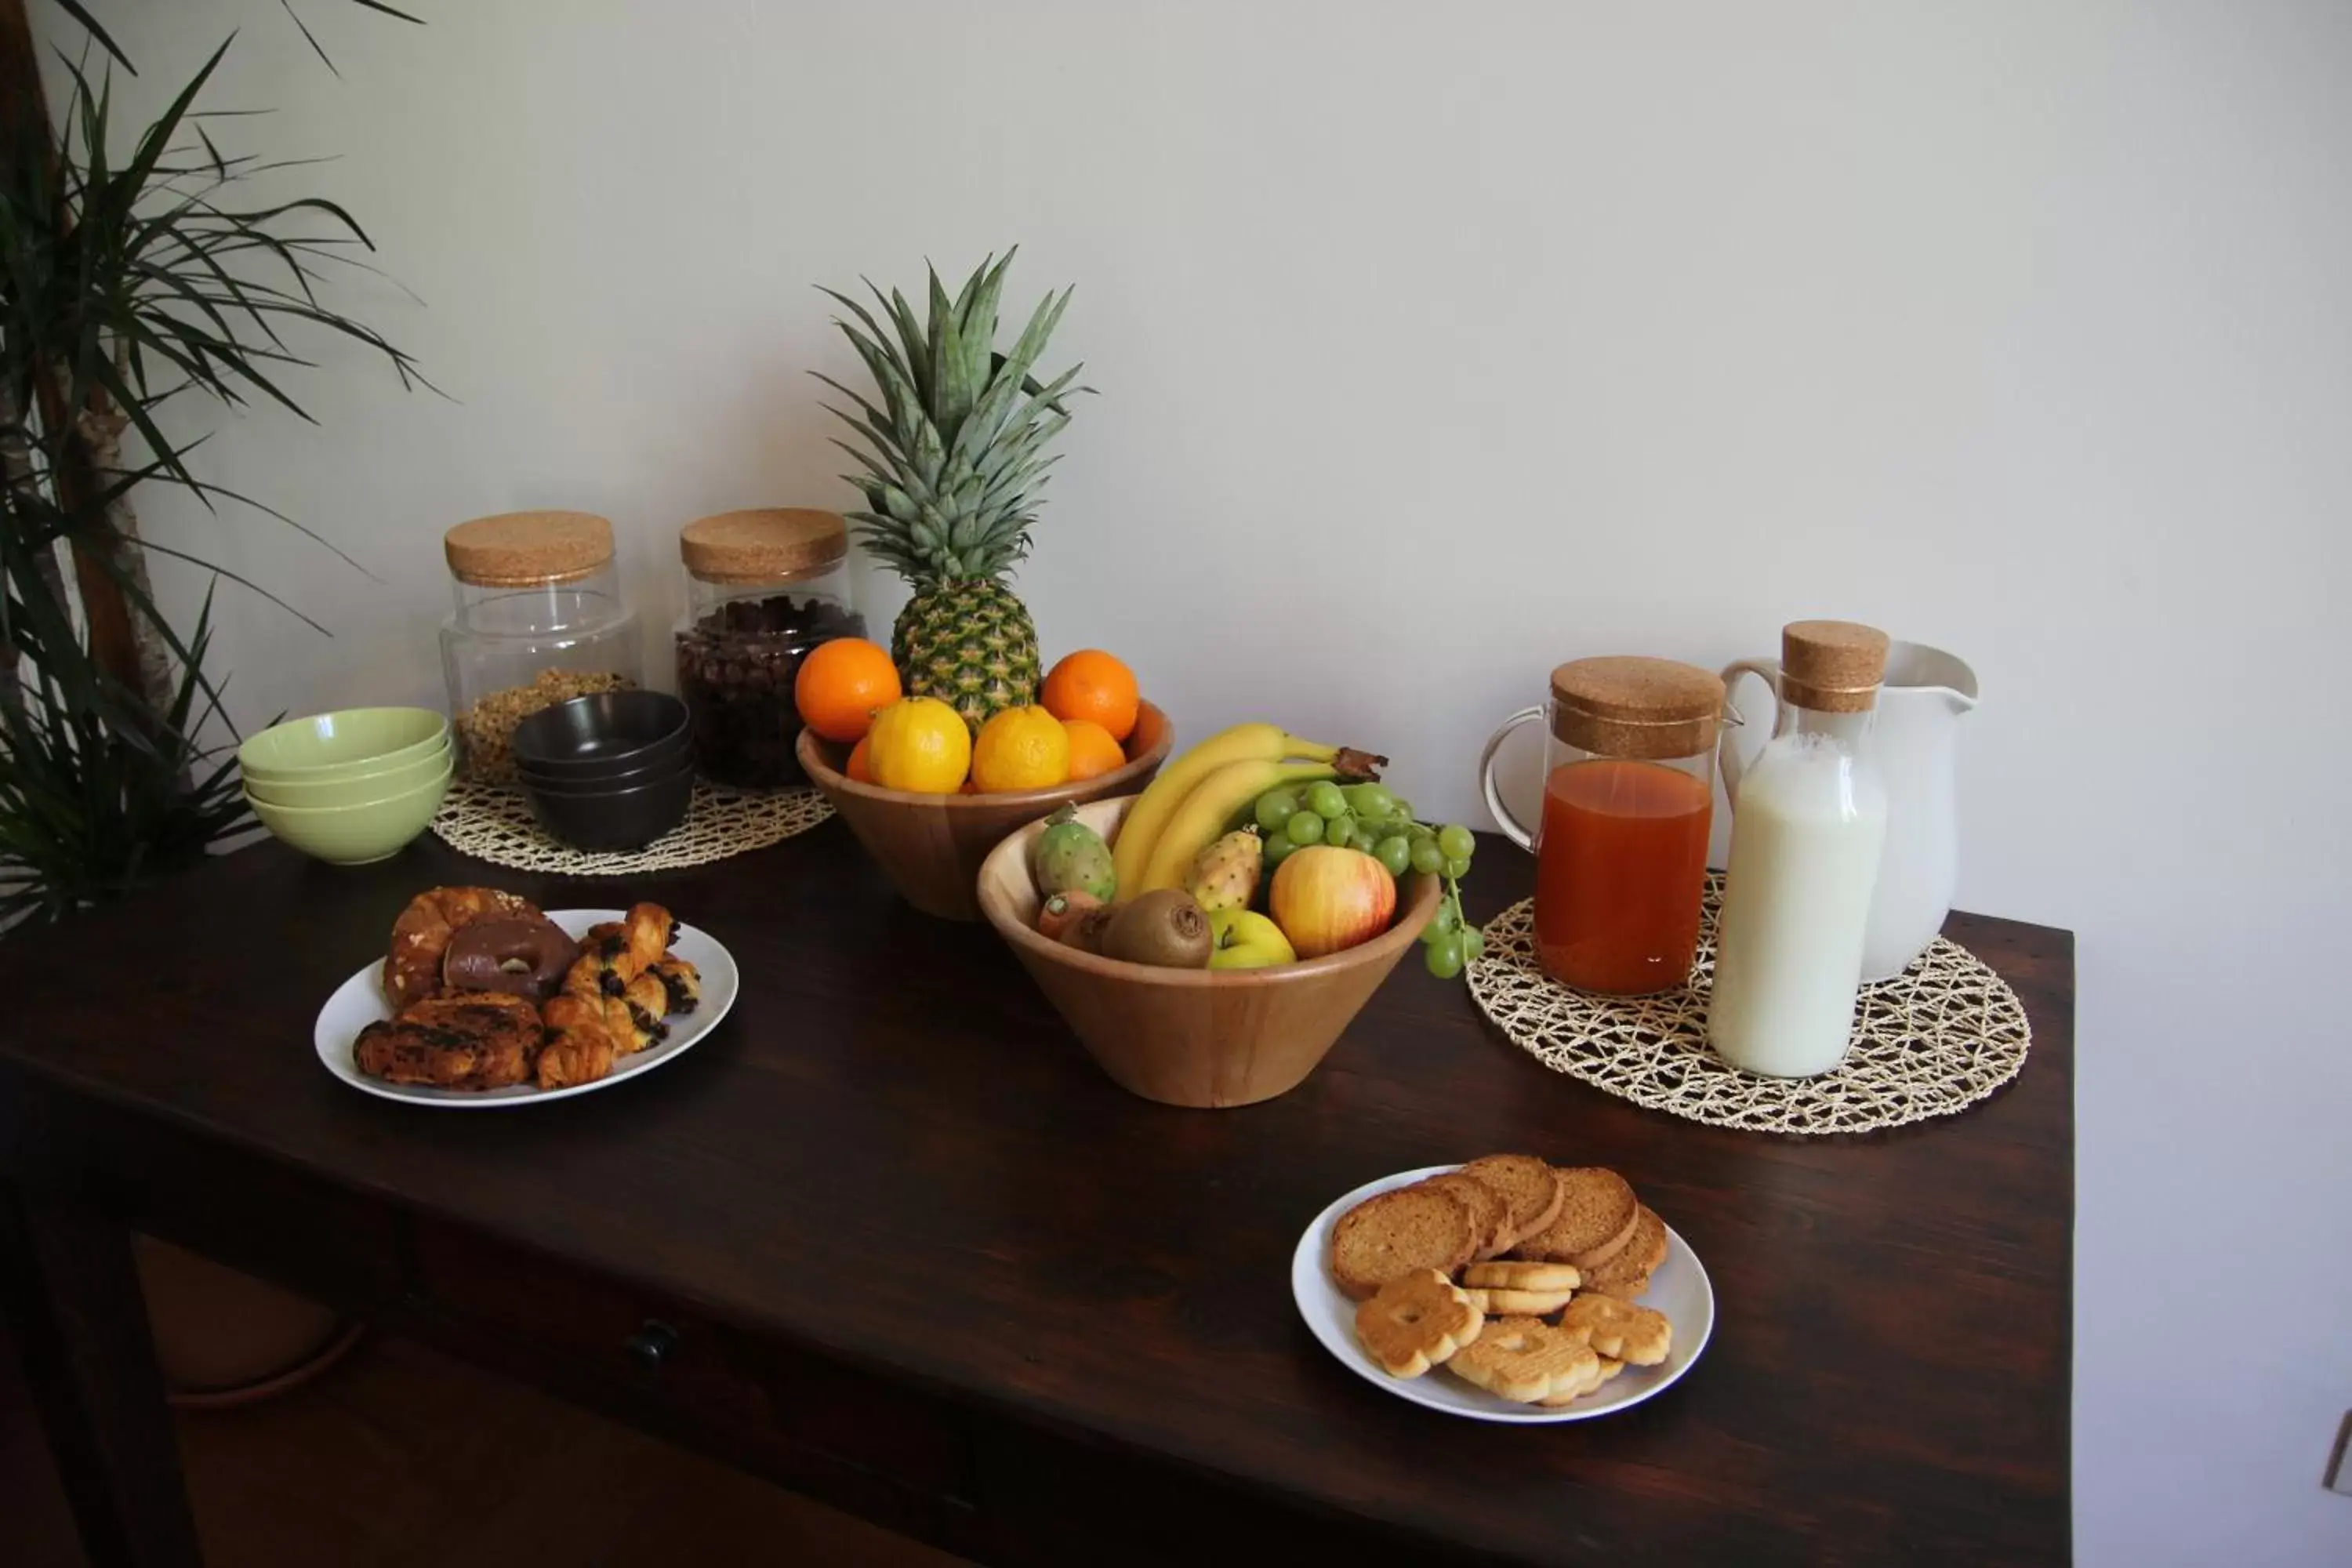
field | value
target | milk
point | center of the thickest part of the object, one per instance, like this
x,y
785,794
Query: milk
x,y
1808,827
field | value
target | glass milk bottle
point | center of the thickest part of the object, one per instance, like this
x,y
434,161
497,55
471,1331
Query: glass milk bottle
x,y
1807,826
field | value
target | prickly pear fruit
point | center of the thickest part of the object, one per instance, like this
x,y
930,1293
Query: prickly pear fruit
x,y
1059,913
1224,874
1070,856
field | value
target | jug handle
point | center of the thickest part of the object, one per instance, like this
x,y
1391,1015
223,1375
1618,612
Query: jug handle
x,y
1513,828
1728,761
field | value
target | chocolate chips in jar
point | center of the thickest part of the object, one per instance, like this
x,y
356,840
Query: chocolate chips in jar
x,y
736,666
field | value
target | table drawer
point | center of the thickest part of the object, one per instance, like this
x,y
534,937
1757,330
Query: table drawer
x,y
659,1349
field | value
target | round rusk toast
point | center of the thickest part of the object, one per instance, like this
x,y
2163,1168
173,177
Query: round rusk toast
x,y
1486,1206
1627,1275
1529,1186
1399,1233
1597,1214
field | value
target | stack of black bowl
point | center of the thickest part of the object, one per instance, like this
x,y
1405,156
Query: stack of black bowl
x,y
609,771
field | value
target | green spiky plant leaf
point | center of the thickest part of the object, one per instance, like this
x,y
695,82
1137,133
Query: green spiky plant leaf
x,y
127,281
953,466
99,795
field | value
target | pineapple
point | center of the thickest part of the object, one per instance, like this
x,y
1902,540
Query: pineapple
x,y
954,463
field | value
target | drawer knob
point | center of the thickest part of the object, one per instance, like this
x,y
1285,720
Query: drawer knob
x,y
652,1346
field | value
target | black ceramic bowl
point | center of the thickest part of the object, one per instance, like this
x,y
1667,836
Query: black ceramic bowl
x,y
644,768
597,789
606,732
614,819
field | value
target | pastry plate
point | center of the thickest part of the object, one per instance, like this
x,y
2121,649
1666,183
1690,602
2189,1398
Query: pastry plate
x,y
1679,1288
360,1002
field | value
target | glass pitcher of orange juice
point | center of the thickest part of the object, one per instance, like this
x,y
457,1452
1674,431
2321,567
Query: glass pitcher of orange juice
x,y
1629,794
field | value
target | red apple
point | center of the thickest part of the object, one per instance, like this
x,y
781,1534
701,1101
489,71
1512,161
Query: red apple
x,y
1326,900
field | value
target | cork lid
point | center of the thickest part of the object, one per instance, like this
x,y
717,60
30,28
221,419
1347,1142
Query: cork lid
x,y
1831,666
1624,706
763,544
525,549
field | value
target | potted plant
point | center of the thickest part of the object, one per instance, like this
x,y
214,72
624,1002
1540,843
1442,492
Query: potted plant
x,y
134,272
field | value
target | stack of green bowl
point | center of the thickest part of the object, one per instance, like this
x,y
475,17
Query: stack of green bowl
x,y
349,786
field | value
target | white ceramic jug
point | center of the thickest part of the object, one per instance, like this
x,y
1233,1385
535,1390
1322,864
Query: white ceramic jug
x,y
1919,707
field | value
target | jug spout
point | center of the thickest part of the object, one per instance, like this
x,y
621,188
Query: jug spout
x,y
1917,672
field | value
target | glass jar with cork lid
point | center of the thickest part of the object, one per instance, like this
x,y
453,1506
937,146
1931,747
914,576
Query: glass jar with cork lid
x,y
1628,798
763,587
539,619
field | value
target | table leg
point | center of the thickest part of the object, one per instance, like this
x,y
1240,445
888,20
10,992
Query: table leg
x,y
71,1296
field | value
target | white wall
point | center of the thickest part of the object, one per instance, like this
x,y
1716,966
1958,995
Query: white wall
x,y
1440,343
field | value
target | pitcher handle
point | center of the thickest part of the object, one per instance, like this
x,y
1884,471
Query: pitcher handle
x,y
1515,830
1729,762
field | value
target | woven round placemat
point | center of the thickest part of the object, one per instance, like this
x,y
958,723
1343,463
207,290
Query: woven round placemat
x,y
493,823
1930,1042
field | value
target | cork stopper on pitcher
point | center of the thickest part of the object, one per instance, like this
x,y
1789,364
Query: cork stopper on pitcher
x,y
1831,666
1625,706
528,549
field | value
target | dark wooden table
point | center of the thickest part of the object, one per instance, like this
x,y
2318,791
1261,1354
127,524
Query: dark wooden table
x,y
910,1252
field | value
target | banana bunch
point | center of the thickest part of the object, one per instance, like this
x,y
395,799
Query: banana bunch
x,y
1201,795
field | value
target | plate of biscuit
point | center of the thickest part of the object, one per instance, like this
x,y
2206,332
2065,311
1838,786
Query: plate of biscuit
x,y
483,1001
1506,1289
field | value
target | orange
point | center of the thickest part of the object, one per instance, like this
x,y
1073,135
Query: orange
x,y
919,744
1092,750
840,685
1021,748
1091,684
861,762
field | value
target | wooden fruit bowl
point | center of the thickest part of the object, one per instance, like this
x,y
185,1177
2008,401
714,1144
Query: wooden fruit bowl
x,y
1204,1037
930,845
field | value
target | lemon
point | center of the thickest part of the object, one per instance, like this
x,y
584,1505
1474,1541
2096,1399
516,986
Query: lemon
x,y
1021,748
919,744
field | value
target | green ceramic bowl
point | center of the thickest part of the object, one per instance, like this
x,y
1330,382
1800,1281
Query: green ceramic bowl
x,y
350,741
355,835
343,789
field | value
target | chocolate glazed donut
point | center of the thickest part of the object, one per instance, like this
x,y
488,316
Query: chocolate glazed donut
x,y
522,957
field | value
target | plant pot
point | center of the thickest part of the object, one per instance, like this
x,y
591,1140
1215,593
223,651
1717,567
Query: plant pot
x,y
222,1337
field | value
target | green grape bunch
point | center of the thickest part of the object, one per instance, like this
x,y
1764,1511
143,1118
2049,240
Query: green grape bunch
x,y
1377,820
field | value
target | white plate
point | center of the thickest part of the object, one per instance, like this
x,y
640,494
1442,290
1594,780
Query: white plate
x,y
1679,1288
359,1002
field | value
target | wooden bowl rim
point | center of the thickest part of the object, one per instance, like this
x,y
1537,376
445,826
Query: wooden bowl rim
x,y
831,781
1416,912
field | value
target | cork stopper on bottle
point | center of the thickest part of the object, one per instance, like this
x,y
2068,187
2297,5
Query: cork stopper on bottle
x,y
1831,666
762,544
1649,709
528,549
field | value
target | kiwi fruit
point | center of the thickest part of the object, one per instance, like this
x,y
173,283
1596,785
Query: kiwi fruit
x,y
1085,932
1164,928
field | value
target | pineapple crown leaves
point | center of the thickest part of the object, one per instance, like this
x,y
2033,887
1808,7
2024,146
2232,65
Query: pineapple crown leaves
x,y
952,457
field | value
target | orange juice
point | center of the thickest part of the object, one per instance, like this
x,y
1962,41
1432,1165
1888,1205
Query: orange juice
x,y
1620,869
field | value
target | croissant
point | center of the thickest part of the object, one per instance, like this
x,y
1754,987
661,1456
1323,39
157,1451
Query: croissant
x,y
578,1049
